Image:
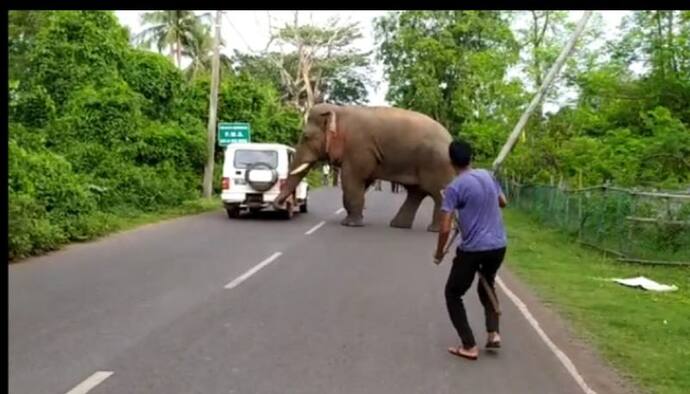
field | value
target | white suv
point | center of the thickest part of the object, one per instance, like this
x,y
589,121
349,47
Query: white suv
x,y
253,175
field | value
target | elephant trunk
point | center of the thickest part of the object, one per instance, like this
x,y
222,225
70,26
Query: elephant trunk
x,y
293,180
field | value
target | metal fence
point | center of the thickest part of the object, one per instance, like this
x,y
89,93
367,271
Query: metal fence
x,y
636,226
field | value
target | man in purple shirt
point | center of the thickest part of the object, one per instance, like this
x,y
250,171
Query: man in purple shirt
x,y
477,197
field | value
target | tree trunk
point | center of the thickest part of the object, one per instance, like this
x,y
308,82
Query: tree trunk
x,y
212,113
179,53
310,93
669,44
660,46
537,39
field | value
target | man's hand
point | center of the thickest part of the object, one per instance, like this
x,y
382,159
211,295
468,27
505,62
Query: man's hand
x,y
502,201
438,257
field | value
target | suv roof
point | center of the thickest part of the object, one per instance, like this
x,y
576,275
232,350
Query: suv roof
x,y
257,145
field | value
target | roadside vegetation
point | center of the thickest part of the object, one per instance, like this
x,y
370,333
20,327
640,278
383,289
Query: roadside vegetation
x,y
644,334
103,129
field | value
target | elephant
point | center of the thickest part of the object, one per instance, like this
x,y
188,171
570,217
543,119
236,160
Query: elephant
x,y
371,143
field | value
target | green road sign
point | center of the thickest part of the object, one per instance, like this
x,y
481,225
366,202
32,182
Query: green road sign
x,y
233,133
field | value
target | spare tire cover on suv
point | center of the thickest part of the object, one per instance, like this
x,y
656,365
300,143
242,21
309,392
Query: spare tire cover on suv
x,y
261,176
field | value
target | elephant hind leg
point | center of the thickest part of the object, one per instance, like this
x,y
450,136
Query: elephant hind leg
x,y
405,216
435,225
433,180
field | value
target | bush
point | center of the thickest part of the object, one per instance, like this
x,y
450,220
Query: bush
x,y
156,79
32,108
77,48
100,131
48,202
29,229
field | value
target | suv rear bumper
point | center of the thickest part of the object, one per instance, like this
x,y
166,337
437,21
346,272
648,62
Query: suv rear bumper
x,y
229,197
241,198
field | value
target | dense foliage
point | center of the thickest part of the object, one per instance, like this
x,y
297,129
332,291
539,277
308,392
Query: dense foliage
x,y
627,128
100,130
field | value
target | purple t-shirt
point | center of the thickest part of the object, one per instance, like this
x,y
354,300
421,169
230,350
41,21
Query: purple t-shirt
x,y
475,196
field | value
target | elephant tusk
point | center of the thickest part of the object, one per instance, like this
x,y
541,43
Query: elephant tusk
x,y
299,169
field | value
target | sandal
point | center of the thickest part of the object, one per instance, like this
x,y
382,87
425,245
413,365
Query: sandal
x,y
457,351
493,344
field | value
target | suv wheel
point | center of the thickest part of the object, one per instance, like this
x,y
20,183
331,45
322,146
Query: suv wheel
x,y
303,207
289,211
233,212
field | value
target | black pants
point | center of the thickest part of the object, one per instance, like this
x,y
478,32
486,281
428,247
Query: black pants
x,y
465,265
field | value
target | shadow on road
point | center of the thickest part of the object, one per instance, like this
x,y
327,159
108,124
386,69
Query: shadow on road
x,y
263,215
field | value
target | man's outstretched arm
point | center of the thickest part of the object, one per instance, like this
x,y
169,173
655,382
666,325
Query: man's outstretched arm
x,y
444,232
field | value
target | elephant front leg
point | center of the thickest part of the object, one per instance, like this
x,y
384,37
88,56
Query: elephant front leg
x,y
353,201
407,212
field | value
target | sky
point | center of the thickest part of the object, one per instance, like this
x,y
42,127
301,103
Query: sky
x,y
249,31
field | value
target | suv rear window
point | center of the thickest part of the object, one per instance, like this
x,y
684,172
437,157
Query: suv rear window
x,y
245,157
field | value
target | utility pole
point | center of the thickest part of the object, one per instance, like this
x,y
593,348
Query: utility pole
x,y
212,112
567,50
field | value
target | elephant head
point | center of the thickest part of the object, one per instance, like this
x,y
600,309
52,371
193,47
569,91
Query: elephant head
x,y
322,140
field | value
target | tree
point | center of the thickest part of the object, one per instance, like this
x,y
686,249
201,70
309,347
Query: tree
x,y
548,80
200,49
451,65
174,29
661,41
66,47
315,59
22,29
626,127
541,39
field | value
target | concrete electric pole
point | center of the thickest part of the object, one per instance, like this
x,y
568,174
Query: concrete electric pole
x,y
212,112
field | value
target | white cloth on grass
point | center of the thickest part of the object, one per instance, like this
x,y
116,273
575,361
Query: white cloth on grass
x,y
644,283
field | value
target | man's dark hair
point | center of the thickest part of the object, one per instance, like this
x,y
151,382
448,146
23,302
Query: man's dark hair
x,y
460,153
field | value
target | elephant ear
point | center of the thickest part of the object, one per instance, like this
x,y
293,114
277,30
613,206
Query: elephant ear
x,y
335,138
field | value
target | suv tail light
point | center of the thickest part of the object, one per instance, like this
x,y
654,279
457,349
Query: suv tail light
x,y
226,183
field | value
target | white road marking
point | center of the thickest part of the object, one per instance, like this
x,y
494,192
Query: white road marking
x,y
91,382
569,366
339,211
313,229
252,271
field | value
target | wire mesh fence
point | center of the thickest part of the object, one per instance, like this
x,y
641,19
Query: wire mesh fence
x,y
636,226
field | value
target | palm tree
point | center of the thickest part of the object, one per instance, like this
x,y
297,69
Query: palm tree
x,y
200,50
174,29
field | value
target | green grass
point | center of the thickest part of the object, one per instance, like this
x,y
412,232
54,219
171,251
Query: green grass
x,y
107,224
127,222
644,334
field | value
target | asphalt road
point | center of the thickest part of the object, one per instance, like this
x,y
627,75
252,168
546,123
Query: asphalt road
x,y
338,310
